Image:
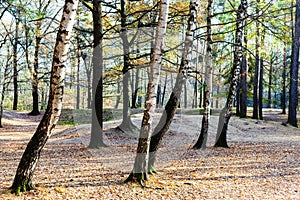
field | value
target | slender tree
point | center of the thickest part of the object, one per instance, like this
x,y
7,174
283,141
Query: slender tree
x,y
126,124
174,100
201,142
261,88
293,93
243,79
140,168
4,85
15,60
256,72
221,140
23,177
283,97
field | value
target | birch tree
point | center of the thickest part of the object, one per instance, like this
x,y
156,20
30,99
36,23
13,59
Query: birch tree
x,y
23,177
226,112
140,168
201,142
174,100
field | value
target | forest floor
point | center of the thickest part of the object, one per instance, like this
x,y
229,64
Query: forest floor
x,y
262,163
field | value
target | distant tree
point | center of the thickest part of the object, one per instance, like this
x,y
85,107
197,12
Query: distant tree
x,y
294,71
126,124
4,85
221,139
15,59
256,71
243,79
283,97
24,175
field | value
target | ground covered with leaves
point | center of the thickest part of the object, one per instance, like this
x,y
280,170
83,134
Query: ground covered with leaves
x,y
262,163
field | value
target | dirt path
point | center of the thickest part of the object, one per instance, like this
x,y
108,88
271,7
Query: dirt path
x,y
262,163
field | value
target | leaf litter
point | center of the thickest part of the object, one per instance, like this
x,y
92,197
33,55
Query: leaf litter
x,y
262,163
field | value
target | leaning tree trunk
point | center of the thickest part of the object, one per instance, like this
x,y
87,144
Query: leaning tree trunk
x,y
96,140
221,140
174,100
293,97
201,142
140,168
23,178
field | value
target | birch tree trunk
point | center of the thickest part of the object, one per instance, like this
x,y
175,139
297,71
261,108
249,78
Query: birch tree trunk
x,y
174,100
201,142
221,140
23,177
140,168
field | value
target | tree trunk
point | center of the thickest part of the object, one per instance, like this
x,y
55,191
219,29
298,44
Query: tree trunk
x,y
221,140
126,126
4,86
78,69
243,79
119,95
23,178
164,90
168,114
195,99
269,104
256,72
238,97
15,62
201,142
140,168
96,140
34,73
283,97
136,88
261,89
261,76
293,94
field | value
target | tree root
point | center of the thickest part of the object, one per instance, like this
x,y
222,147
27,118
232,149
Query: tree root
x,y
137,177
21,188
